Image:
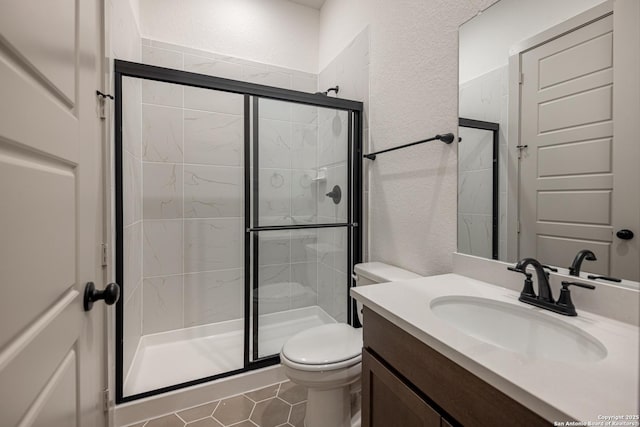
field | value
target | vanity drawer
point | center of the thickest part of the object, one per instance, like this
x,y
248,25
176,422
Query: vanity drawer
x,y
462,395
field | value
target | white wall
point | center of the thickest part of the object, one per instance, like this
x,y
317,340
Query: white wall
x,y
413,90
124,34
124,43
135,10
413,75
275,32
340,22
485,41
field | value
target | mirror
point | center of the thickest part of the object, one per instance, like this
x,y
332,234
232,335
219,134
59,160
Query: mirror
x,y
539,171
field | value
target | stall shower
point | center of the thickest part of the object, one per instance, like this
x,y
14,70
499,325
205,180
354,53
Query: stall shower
x,y
230,237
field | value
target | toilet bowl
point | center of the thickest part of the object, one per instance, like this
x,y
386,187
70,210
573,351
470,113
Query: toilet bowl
x,y
327,359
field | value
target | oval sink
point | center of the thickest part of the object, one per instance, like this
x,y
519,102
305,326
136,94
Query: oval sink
x,y
518,329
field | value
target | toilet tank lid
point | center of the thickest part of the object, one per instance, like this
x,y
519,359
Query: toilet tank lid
x,y
381,272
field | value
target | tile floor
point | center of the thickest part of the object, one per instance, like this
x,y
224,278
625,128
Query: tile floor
x,y
278,405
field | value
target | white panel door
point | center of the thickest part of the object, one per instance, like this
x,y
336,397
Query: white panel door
x,y
51,351
566,171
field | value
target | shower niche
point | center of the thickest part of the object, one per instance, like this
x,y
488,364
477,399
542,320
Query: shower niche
x,y
226,240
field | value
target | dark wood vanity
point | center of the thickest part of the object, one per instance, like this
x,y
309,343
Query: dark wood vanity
x,y
406,383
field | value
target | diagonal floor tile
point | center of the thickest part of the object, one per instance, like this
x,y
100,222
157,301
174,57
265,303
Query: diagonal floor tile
x,y
271,413
263,393
292,393
205,422
233,410
198,412
246,423
296,419
166,421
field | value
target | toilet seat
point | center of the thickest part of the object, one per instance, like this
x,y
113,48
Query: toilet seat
x,y
325,347
327,360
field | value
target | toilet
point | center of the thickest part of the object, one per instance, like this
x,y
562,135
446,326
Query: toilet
x,y
327,359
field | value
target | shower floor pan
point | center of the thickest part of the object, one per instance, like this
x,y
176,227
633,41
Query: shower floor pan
x,y
175,357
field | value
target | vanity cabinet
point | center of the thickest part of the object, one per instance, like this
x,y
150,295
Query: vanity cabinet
x,y
406,383
391,402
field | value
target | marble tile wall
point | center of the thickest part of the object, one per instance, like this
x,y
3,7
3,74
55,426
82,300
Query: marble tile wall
x,y
349,70
193,190
189,232
483,98
475,192
124,43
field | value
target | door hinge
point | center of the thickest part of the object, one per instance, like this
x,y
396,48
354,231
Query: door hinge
x,y
518,226
104,254
521,79
102,113
102,98
520,148
105,400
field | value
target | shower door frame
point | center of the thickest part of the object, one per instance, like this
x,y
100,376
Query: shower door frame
x,y
250,91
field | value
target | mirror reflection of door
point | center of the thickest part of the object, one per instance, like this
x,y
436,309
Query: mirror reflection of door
x,y
574,191
478,212
566,175
565,92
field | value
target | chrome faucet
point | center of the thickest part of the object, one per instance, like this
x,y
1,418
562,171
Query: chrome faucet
x,y
574,270
544,299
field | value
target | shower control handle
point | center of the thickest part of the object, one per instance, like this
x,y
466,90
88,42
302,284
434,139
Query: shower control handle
x,y
110,295
335,194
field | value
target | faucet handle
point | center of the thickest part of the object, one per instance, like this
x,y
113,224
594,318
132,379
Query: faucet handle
x,y
611,279
521,271
565,285
527,291
564,301
548,267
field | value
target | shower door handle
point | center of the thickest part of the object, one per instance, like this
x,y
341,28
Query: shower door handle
x,y
299,227
110,295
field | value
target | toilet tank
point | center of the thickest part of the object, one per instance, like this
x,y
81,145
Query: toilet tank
x,y
378,272
369,273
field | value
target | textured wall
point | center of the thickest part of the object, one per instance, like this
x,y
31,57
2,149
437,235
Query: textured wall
x,y
414,94
124,44
275,32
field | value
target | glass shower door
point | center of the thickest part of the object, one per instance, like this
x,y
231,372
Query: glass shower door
x,y
234,223
300,216
180,197
478,190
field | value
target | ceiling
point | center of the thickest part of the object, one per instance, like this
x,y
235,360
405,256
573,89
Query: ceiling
x,y
316,4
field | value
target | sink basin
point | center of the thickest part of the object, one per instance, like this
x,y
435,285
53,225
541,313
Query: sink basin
x,y
518,329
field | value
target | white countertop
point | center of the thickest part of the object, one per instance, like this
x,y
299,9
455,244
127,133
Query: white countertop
x,y
558,391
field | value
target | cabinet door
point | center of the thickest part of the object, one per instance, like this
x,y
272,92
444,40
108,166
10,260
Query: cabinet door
x,y
388,402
